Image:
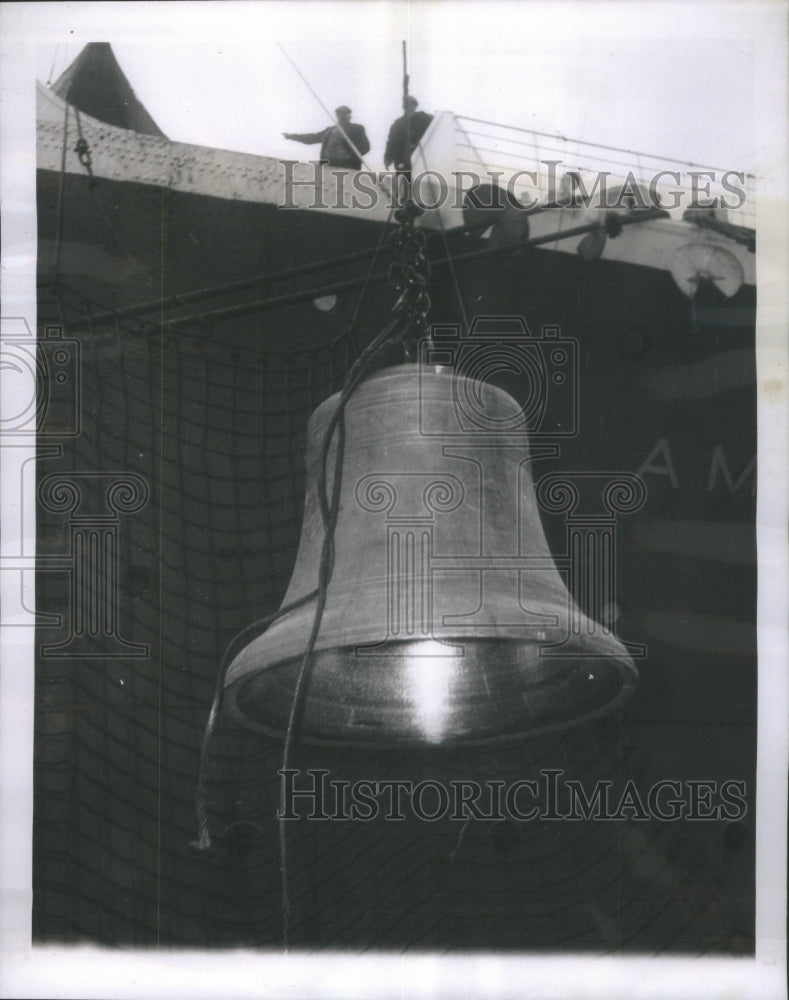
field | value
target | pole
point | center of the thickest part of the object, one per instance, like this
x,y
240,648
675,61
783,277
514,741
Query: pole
x,y
405,112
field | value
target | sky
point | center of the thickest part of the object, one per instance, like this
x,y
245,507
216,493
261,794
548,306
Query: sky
x,y
660,77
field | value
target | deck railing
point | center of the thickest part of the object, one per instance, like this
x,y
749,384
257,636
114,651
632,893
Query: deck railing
x,y
488,147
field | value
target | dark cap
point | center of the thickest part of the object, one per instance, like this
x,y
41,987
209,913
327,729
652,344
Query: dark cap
x,y
342,107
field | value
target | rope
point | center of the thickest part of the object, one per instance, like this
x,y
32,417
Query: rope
x,y
329,512
644,215
59,230
371,278
229,287
82,149
449,259
83,152
52,67
407,119
123,247
409,277
333,120
456,284
367,282
203,841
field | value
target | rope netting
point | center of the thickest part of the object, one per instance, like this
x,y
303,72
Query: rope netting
x,y
189,389
214,423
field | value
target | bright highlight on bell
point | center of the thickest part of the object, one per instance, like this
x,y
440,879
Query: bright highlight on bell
x,y
446,621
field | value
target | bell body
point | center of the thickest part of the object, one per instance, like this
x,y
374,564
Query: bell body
x,y
446,620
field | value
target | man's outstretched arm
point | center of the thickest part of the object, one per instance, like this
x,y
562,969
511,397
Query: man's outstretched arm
x,y
309,138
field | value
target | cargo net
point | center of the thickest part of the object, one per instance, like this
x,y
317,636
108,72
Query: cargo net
x,y
212,422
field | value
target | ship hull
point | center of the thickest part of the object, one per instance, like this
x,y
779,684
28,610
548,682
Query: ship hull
x,y
202,393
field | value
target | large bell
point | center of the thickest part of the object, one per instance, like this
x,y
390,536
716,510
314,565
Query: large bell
x,y
446,620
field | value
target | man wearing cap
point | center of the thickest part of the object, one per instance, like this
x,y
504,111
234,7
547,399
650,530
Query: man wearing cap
x,y
336,150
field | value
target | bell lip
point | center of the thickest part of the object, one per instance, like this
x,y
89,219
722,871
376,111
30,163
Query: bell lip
x,y
624,665
257,655
411,742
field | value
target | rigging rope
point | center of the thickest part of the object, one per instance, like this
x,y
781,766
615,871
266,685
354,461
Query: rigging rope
x,y
350,333
52,67
450,260
409,276
240,285
335,123
329,511
61,183
82,149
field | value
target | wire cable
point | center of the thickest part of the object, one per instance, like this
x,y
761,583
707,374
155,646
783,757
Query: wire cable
x,y
329,512
203,841
61,195
52,67
367,282
335,123
449,258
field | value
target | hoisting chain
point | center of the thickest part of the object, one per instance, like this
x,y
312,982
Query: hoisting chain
x,y
82,149
409,273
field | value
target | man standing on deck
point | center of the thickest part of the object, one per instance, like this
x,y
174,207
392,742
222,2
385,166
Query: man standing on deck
x,y
336,150
404,136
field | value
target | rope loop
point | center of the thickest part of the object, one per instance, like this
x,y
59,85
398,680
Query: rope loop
x,y
82,149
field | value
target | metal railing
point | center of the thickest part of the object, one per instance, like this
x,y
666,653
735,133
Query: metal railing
x,y
509,152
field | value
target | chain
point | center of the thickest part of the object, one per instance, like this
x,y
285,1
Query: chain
x,y
82,149
409,274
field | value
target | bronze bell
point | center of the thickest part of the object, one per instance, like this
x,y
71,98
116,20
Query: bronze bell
x,y
446,620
